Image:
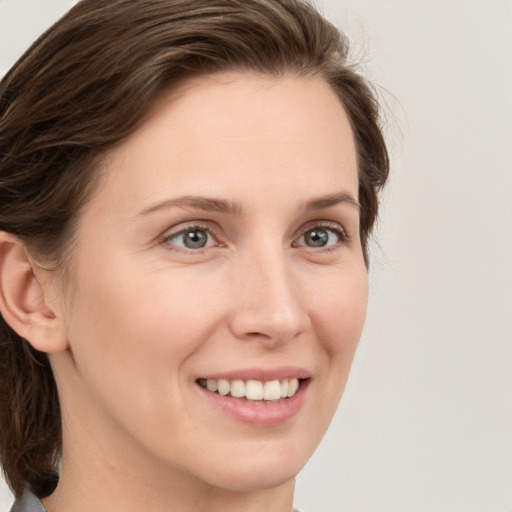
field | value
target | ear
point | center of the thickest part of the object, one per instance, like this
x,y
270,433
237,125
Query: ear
x,y
24,292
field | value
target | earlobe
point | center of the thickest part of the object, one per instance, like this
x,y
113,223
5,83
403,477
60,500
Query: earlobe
x,y
23,295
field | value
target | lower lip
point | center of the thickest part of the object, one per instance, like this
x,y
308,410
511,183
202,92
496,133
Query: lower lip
x,y
259,413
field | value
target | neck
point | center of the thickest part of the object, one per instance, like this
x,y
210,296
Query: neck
x,y
91,496
100,470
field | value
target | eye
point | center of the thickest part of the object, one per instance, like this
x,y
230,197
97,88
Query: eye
x,y
322,236
191,238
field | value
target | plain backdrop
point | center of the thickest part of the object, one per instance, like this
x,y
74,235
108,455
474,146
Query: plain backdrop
x,y
426,420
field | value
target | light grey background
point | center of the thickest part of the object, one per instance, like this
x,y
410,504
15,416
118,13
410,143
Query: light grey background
x,y
426,420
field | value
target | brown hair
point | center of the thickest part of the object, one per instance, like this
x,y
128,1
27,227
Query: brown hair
x,y
85,85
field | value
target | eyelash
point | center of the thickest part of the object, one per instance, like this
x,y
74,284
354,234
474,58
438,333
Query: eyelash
x,y
214,233
338,230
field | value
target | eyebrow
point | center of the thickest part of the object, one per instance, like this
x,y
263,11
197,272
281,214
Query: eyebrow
x,y
207,204
210,204
331,200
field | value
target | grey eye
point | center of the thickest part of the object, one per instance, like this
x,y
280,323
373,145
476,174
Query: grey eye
x,y
195,239
191,239
316,237
320,237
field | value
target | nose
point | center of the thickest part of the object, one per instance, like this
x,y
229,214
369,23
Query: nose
x,y
268,303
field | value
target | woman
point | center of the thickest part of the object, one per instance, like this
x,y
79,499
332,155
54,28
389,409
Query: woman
x,y
187,191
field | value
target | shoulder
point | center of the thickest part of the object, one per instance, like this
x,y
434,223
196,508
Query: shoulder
x,y
28,503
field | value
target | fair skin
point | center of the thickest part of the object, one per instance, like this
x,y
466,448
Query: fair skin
x,y
222,243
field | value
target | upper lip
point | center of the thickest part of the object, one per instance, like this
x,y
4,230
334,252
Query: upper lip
x,y
261,374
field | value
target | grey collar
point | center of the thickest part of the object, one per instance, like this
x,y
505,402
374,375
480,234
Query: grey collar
x,y
28,503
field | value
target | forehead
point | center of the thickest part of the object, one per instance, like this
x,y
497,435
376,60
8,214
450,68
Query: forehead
x,y
231,129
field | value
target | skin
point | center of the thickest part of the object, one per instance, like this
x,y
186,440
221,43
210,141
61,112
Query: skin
x,y
143,317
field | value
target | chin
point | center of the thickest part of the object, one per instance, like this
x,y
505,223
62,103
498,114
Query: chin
x,y
265,467
252,479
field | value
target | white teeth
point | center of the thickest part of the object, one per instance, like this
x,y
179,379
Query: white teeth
x,y
211,385
272,390
293,386
223,387
284,388
238,388
253,389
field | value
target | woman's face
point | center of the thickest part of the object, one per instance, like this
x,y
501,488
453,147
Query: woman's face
x,y
220,251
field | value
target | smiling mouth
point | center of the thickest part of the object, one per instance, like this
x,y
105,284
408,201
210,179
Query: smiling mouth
x,y
253,390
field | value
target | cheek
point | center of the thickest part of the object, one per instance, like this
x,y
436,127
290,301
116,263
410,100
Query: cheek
x,y
340,313
150,318
144,327
132,340
340,316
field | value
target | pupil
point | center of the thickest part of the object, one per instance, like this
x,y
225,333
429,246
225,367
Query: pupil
x,y
195,239
317,237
